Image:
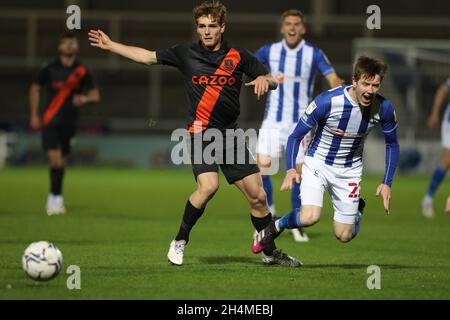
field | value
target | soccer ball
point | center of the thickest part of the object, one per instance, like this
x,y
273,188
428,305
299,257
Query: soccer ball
x,y
42,261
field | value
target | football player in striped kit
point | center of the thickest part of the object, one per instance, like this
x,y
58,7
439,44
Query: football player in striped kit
x,y
294,62
433,122
343,118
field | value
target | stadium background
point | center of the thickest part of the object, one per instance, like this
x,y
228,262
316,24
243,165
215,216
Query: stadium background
x,y
141,105
112,210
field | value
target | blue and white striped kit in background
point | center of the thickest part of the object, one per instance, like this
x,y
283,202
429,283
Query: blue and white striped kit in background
x,y
295,69
445,129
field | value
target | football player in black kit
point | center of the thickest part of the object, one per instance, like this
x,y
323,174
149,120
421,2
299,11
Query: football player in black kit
x,y
69,85
212,70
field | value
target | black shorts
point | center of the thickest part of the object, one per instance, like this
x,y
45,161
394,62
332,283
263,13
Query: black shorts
x,y
57,138
234,157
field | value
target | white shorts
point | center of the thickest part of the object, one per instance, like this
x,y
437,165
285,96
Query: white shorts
x,y
273,137
445,129
343,185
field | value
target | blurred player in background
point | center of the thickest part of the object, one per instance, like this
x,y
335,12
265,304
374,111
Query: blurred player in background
x,y
69,85
294,62
344,116
212,70
433,122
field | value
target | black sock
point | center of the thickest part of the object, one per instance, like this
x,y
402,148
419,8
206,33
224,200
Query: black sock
x,y
190,217
56,180
261,223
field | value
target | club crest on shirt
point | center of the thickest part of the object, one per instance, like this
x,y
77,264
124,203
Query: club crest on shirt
x,y
312,106
228,64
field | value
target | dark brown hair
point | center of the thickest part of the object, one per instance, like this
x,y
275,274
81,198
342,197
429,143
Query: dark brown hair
x,y
215,9
369,67
68,35
293,12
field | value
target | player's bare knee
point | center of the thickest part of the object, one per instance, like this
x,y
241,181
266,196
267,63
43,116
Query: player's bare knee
x,y
209,189
258,199
344,236
309,218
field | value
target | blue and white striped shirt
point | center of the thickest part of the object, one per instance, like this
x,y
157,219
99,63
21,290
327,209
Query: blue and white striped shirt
x,y
342,127
295,69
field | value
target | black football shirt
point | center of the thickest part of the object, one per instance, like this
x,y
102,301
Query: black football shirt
x,y
62,83
213,81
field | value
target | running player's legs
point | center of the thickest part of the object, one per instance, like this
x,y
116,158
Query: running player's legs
x,y
268,158
55,142
269,148
439,173
207,186
207,178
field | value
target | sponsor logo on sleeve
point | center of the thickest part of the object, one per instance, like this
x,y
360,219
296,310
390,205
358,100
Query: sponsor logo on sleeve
x,y
312,106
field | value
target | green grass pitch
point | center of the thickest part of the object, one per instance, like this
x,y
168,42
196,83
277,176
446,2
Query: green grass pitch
x,y
120,222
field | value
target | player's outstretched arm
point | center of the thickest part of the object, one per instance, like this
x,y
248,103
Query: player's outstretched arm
x,y
439,99
99,39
